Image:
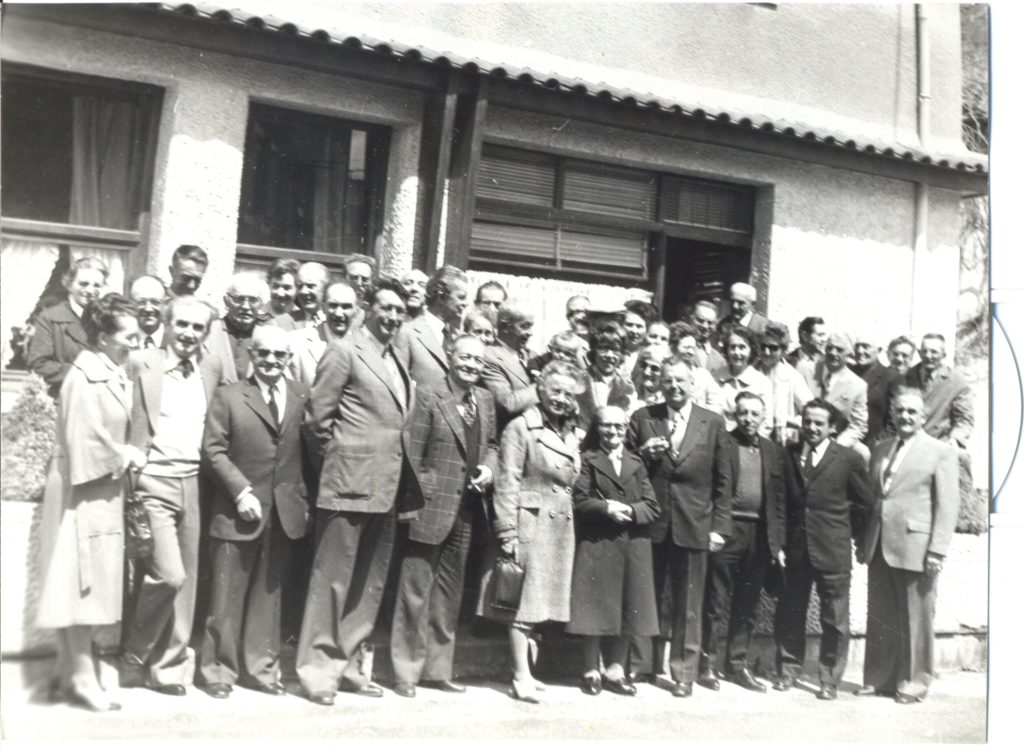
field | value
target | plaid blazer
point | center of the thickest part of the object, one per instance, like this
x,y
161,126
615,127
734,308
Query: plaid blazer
x,y
437,452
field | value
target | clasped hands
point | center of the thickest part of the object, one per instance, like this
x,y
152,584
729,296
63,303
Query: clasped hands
x,y
131,458
619,511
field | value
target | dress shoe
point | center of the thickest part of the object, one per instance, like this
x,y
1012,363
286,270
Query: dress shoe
x,y
131,675
322,698
591,685
218,690
827,693
175,690
269,688
525,691
905,700
869,690
620,686
745,679
784,683
682,690
95,703
709,680
447,686
405,689
369,690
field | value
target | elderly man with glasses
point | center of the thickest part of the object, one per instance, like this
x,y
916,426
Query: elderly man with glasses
x,y
231,336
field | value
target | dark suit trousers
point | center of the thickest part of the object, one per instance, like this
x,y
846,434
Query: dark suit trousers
x,y
735,575
898,650
158,619
429,597
242,635
791,621
350,567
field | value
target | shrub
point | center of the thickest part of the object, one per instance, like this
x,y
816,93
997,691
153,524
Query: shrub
x,y
973,517
27,435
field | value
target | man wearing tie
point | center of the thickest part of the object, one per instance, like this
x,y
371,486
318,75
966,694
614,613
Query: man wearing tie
x,y
683,447
829,510
354,424
254,451
309,344
149,293
915,478
172,388
453,451
447,300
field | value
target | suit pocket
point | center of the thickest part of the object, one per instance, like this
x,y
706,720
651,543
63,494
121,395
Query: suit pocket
x,y
350,472
920,527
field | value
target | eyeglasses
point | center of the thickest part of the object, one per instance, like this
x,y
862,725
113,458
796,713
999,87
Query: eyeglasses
x,y
617,426
770,347
278,354
245,299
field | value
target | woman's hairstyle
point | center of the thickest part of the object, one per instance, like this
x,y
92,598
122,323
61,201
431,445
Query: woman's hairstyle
x,y
89,262
558,368
283,267
679,331
776,333
609,336
747,335
102,315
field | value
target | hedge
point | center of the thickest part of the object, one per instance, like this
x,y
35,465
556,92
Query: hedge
x,y
27,435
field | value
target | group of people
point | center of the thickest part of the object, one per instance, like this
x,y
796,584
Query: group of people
x,y
648,476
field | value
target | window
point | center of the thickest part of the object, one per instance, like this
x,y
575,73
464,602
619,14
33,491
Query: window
x,y
78,155
310,183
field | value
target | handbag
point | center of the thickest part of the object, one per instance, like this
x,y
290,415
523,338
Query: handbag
x,y
508,578
138,534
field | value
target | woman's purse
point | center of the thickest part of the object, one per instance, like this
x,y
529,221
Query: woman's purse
x,y
508,578
138,534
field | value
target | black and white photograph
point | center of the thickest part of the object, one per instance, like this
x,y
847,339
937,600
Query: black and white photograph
x,y
499,370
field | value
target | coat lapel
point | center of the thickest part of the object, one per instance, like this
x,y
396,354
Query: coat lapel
x,y
152,381
830,453
695,428
425,335
450,412
208,371
375,362
293,406
603,464
254,400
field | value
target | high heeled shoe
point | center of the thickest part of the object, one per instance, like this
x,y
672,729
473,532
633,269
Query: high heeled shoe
x,y
525,691
76,698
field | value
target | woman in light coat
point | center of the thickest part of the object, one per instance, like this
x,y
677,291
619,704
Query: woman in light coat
x,y
538,465
82,539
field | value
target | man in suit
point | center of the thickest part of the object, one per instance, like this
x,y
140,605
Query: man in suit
x,y
253,449
187,269
761,482
309,344
505,374
704,320
360,272
742,298
805,358
914,478
829,509
415,283
880,380
837,384
447,300
453,451
231,337
172,389
310,284
900,353
149,294
354,423
490,296
683,447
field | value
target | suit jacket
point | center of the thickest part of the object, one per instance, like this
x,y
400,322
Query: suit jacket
x,y
508,381
757,323
694,488
830,507
437,451
58,338
599,483
849,394
219,343
243,447
918,513
354,423
428,362
146,367
777,483
881,381
308,346
948,403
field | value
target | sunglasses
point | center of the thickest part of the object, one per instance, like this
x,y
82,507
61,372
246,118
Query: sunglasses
x,y
278,354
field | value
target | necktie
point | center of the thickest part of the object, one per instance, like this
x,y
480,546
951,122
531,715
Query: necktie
x,y
275,414
149,343
809,461
468,409
185,367
396,376
678,431
887,473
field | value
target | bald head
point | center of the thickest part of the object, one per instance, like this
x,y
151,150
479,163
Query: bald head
x,y
741,299
149,295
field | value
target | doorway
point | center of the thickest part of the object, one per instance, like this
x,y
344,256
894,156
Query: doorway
x,y
696,270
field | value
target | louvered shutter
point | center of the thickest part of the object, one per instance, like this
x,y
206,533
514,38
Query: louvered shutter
x,y
529,181
622,253
706,204
510,243
610,191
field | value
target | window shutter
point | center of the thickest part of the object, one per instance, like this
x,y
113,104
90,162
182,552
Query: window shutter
x,y
505,242
527,181
712,205
607,190
711,271
625,253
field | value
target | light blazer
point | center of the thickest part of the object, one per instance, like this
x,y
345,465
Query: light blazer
x,y
146,367
308,346
849,394
437,452
354,423
428,362
948,403
694,488
57,340
918,514
777,484
829,509
243,447
508,381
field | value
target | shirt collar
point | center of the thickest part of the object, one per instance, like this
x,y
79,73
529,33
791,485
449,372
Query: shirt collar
x,y
265,389
157,335
684,412
745,320
743,378
818,452
171,360
616,455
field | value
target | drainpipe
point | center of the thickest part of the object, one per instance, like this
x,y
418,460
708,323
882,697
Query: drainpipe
x,y
924,110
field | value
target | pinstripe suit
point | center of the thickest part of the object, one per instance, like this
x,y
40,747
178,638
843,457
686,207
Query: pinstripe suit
x,y
434,553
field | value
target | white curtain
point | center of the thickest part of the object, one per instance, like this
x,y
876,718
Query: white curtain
x,y
26,269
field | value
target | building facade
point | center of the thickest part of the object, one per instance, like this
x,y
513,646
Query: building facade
x,y
662,150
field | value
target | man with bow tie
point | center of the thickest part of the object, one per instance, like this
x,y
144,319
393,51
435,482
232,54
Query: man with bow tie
x,y
254,451
453,451
683,446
